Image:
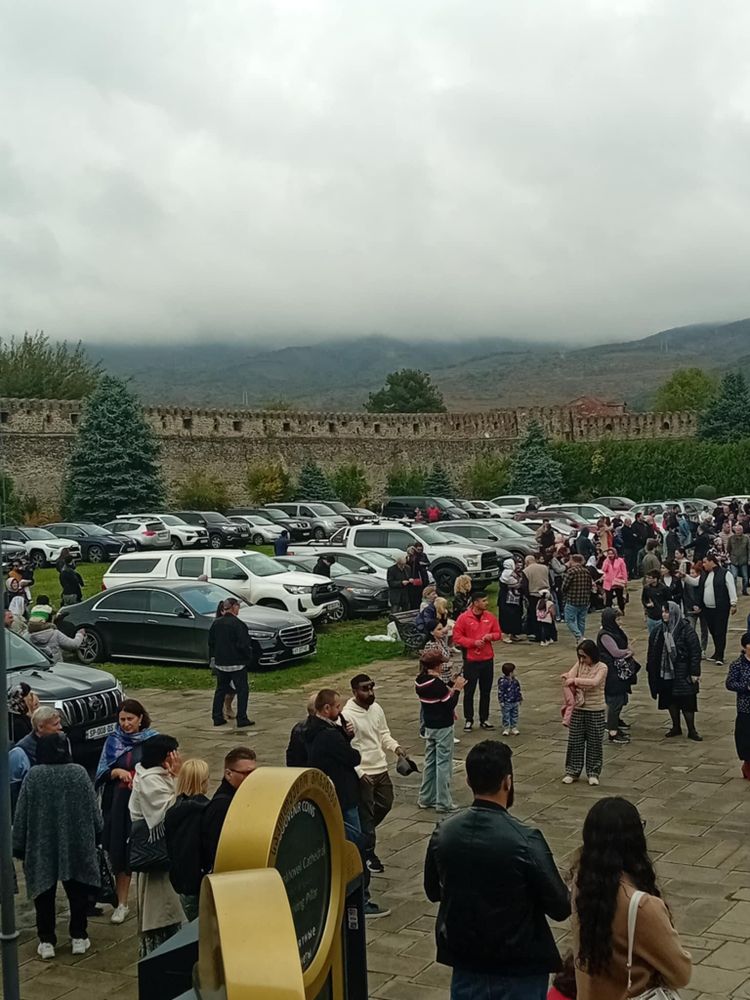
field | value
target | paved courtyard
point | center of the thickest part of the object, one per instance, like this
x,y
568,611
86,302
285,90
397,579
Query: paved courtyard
x,y
696,805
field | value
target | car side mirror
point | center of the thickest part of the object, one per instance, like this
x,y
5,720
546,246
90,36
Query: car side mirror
x,y
239,576
367,569
184,613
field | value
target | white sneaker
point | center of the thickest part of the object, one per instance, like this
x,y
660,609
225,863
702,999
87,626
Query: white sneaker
x,y
568,779
456,740
119,913
79,946
593,780
45,950
515,732
506,732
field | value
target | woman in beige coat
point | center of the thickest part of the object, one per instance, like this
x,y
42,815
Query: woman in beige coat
x,y
613,864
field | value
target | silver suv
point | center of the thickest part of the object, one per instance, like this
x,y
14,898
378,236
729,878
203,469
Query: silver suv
x,y
323,520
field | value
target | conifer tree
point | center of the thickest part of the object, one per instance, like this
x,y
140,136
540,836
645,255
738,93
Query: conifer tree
x,y
438,483
314,484
533,469
727,418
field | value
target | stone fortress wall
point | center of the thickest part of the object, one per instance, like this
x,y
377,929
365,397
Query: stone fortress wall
x,y
36,435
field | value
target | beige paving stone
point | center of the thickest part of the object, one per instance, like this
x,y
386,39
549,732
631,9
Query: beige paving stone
x,y
730,956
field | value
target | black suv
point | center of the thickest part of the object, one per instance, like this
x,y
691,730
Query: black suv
x,y
398,508
299,529
222,533
97,543
87,700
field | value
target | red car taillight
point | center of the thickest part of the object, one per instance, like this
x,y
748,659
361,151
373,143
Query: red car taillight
x,y
104,585
149,534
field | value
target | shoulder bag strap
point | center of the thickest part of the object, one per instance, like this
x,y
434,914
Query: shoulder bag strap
x,y
632,916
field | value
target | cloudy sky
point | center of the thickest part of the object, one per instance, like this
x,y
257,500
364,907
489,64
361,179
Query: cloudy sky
x,y
180,168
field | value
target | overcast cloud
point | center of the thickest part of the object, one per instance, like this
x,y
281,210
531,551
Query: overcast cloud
x,y
539,167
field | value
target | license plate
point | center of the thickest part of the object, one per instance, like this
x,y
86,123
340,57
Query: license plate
x,y
300,649
96,731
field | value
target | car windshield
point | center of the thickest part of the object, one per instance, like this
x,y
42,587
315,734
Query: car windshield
x,y
171,519
377,559
93,529
514,528
22,654
429,535
320,509
39,534
260,565
256,519
275,514
204,598
215,517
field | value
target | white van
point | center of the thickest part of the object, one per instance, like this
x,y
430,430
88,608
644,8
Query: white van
x,y
251,575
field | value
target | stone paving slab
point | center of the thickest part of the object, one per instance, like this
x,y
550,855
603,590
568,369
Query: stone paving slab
x,y
696,805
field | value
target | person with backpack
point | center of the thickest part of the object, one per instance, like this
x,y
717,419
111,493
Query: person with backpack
x,y
182,829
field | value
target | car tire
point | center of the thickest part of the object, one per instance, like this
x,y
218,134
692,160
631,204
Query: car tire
x,y
175,543
445,578
216,541
341,613
258,539
93,649
319,534
96,554
37,558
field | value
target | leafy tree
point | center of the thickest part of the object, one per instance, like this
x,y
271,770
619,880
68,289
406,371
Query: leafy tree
x,y
438,483
33,368
314,484
350,484
203,492
279,403
405,481
533,469
686,389
268,482
727,418
114,462
486,477
11,504
406,391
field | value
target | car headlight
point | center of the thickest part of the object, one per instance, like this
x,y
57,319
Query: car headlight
x,y
292,589
256,634
359,590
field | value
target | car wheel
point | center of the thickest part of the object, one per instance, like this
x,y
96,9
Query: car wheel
x,y
340,613
175,543
319,534
37,559
445,578
92,649
96,554
258,539
216,541
270,603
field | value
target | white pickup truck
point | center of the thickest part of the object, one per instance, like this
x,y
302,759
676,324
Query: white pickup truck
x,y
251,575
448,558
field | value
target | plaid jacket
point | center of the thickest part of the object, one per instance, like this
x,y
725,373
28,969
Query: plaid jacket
x,y
576,586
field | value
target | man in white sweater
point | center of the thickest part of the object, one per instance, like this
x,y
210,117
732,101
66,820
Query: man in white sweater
x,y
373,739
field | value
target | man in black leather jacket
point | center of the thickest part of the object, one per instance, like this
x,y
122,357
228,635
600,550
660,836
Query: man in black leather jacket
x,y
496,882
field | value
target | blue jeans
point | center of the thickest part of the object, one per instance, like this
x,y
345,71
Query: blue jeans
x,y
438,769
467,985
740,571
575,619
353,832
510,715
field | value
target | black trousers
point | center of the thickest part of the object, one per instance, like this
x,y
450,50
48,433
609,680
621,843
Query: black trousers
x,y
375,802
631,561
718,623
619,594
78,898
224,681
478,672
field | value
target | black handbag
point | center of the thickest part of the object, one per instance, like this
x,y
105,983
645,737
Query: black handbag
x,y
106,893
147,849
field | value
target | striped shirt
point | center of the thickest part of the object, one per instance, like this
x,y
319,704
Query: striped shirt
x,y
438,701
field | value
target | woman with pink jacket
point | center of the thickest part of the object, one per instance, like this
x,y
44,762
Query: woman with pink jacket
x,y
615,579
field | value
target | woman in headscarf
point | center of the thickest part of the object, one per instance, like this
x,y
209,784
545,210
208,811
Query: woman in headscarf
x,y
22,702
738,680
511,612
114,779
614,650
674,667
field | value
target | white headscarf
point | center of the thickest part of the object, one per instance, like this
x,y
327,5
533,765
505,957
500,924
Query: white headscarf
x,y
508,574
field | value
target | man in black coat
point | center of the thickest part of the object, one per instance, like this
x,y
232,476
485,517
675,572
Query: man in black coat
x,y
494,898
231,652
238,765
323,566
716,599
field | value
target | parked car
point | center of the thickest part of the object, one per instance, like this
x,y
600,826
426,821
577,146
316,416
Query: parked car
x,y
145,534
360,593
469,508
181,534
590,512
398,508
251,575
615,503
222,533
376,563
96,544
504,541
488,508
350,514
262,530
741,497
322,519
41,546
299,529
87,700
169,620
517,501
448,557
11,552
366,516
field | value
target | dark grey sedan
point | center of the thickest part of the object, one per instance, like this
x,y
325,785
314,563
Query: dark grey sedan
x,y
360,594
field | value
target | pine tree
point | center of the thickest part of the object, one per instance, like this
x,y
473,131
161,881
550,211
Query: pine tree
x,y
437,483
727,418
114,464
533,469
314,484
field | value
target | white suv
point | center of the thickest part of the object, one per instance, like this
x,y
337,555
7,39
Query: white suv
x,y
41,546
181,534
251,575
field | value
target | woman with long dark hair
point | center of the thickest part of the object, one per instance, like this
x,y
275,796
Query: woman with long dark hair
x,y
612,866
586,679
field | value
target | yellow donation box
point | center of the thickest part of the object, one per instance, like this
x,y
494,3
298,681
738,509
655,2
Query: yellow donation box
x,y
281,916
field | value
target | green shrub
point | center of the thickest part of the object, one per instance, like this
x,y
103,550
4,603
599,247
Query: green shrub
x,y
486,477
405,481
268,482
203,492
350,484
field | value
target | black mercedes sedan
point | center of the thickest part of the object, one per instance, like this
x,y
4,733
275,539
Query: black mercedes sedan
x,y
97,544
360,593
169,621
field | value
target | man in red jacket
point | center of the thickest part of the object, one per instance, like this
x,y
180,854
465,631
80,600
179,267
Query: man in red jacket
x,y
475,631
